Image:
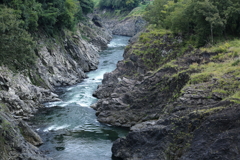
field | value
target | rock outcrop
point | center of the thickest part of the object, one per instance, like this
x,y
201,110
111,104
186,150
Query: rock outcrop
x,y
130,26
135,92
12,143
127,26
65,62
185,136
172,114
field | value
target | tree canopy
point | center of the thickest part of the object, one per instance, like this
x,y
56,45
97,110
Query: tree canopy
x,y
17,46
119,4
49,14
205,19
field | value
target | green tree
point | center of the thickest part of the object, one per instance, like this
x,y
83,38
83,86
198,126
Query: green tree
x,y
29,11
156,12
178,20
203,19
207,18
86,6
67,17
119,4
16,45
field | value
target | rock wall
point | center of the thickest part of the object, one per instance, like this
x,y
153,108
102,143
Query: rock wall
x,y
119,24
171,117
129,26
62,60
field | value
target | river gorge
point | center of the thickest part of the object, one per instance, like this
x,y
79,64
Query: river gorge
x,y
69,127
156,98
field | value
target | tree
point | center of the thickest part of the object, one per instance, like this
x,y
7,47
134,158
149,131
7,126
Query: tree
x,y
156,13
210,14
29,11
86,5
178,19
119,4
16,45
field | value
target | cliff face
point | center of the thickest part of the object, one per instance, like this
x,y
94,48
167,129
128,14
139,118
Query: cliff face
x,y
62,60
177,108
119,24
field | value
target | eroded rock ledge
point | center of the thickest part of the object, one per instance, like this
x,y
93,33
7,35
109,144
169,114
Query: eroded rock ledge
x,y
171,115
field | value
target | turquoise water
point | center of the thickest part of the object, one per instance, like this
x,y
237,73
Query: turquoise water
x,y
69,127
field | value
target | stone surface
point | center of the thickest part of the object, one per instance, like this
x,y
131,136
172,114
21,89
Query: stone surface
x,y
132,94
128,26
67,62
12,144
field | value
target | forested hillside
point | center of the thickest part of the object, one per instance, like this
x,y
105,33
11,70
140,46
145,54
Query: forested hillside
x,y
202,21
20,19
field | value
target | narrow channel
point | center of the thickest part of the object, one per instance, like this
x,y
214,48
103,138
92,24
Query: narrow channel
x,y
69,127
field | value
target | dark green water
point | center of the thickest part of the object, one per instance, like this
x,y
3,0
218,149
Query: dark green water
x,y
69,128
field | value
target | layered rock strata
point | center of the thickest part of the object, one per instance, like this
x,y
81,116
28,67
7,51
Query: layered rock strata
x,y
171,115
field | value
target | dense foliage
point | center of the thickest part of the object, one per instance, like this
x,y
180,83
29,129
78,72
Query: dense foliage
x,y
119,4
203,19
16,47
19,17
50,13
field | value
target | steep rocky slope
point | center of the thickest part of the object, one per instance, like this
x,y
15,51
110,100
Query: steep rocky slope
x,y
62,60
123,24
180,102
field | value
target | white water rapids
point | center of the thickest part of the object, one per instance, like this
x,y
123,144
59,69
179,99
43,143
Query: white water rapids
x,y
69,127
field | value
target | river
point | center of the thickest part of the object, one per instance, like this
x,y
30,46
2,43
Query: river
x,y
69,127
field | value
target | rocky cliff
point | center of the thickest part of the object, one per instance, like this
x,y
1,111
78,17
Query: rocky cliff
x,y
62,60
119,24
180,102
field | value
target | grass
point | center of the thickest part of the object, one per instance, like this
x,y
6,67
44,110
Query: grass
x,y
152,49
200,77
218,90
209,110
235,97
232,46
224,69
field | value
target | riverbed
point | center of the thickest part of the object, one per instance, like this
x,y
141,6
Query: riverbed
x,y
69,127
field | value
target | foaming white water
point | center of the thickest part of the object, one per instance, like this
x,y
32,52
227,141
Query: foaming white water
x,y
118,42
57,103
55,128
115,44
